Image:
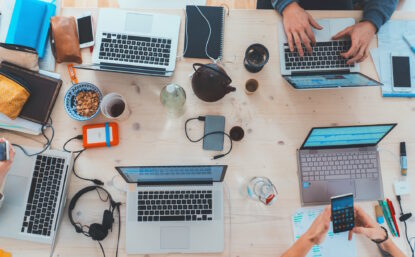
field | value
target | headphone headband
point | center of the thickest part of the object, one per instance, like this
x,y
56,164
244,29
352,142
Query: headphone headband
x,y
78,195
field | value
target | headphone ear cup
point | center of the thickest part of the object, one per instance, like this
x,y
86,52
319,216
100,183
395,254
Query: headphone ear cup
x,y
107,220
97,232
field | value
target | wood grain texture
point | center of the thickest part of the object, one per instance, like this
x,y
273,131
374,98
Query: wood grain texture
x,y
276,120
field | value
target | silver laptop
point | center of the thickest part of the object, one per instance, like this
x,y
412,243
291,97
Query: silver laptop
x,y
35,195
174,209
324,68
133,42
340,160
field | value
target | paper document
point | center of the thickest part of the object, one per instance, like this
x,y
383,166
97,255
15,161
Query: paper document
x,y
334,245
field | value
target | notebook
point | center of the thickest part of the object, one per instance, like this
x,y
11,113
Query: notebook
x,y
198,31
29,25
44,91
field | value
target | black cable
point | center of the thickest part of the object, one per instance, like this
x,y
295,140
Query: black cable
x,y
46,145
201,118
79,152
119,228
102,249
406,227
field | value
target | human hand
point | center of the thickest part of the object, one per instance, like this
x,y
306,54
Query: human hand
x,y
297,27
5,165
365,225
360,34
318,230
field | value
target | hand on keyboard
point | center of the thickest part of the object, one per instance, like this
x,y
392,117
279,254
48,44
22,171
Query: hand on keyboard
x,y
297,25
361,34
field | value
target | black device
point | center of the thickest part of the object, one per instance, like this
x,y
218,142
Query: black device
x,y
97,231
4,151
214,142
211,132
85,31
342,213
401,72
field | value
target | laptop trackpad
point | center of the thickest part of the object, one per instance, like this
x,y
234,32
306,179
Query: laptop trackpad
x,y
367,189
341,187
15,190
175,238
315,191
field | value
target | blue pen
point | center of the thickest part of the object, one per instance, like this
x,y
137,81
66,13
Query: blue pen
x,y
409,43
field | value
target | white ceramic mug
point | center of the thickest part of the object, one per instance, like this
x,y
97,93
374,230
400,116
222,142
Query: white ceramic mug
x,y
114,107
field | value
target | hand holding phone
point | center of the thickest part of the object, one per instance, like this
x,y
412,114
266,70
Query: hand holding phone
x,y
342,213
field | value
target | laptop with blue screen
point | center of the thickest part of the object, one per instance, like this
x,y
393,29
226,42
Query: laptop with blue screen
x,y
341,160
174,209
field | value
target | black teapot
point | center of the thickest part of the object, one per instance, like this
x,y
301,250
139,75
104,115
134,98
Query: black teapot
x,y
210,82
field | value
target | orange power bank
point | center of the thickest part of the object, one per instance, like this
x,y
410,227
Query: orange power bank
x,y
100,135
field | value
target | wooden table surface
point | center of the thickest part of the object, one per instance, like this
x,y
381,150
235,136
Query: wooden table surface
x,y
276,120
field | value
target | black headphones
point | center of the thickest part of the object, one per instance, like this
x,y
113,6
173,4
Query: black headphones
x,y
97,231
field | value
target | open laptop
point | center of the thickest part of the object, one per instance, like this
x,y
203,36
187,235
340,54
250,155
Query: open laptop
x,y
35,195
324,68
133,42
340,160
174,209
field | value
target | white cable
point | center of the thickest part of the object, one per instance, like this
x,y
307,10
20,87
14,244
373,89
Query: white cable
x,y
230,218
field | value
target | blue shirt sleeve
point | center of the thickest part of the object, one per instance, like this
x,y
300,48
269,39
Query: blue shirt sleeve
x,y
378,11
280,5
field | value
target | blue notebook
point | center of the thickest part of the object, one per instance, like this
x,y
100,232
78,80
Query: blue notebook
x,y
29,25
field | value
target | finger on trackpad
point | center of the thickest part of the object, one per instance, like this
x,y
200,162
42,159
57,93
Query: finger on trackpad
x,y
175,237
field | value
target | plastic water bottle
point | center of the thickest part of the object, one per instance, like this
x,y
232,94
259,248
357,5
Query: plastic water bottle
x,y
173,98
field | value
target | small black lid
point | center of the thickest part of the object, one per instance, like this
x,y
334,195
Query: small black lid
x,y
403,148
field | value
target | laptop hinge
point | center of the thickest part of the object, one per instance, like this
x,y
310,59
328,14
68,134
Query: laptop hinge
x,y
328,72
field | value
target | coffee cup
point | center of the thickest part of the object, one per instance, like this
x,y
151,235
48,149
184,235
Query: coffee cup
x,y
251,86
114,107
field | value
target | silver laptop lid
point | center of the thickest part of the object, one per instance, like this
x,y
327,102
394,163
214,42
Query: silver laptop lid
x,y
170,175
348,136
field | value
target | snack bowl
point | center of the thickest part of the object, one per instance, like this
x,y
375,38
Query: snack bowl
x,y
70,100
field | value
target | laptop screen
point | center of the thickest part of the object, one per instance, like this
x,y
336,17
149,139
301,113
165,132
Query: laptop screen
x,y
310,81
172,174
347,136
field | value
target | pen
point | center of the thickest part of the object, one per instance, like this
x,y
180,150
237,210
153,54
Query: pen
x,y
392,211
379,214
409,43
388,218
404,162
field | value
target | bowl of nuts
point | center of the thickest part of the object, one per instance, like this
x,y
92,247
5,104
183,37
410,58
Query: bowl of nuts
x,y
82,101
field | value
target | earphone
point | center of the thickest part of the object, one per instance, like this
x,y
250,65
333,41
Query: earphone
x,y
97,231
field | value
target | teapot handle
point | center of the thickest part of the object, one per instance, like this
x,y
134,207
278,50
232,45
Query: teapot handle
x,y
217,71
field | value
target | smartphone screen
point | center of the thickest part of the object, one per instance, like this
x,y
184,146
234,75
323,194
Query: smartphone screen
x,y
214,142
4,151
342,213
85,30
401,71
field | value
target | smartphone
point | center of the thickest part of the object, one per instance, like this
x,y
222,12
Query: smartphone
x,y
214,142
4,151
401,73
85,30
342,213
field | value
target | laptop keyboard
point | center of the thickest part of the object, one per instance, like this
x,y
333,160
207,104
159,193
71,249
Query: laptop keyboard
x,y
174,205
326,55
43,196
135,49
347,165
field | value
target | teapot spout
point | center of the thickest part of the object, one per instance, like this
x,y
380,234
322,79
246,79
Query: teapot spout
x,y
230,89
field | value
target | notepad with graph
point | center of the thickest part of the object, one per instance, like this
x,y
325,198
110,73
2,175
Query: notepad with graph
x,y
197,31
334,245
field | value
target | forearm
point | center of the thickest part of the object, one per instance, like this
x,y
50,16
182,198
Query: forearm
x,y
280,5
2,178
390,248
378,11
300,248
